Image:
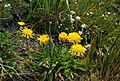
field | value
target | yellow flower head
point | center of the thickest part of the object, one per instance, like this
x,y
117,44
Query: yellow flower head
x,y
43,39
21,23
28,33
77,50
62,36
74,37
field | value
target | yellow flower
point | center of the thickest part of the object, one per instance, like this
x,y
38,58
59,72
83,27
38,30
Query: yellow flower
x,y
77,50
74,37
62,36
21,23
27,32
43,39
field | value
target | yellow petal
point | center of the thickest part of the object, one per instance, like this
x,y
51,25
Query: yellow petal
x,y
21,23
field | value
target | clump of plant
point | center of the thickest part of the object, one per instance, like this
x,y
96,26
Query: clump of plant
x,y
55,62
43,57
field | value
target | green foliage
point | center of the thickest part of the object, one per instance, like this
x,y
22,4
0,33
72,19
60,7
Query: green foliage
x,y
6,44
7,54
23,59
55,64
